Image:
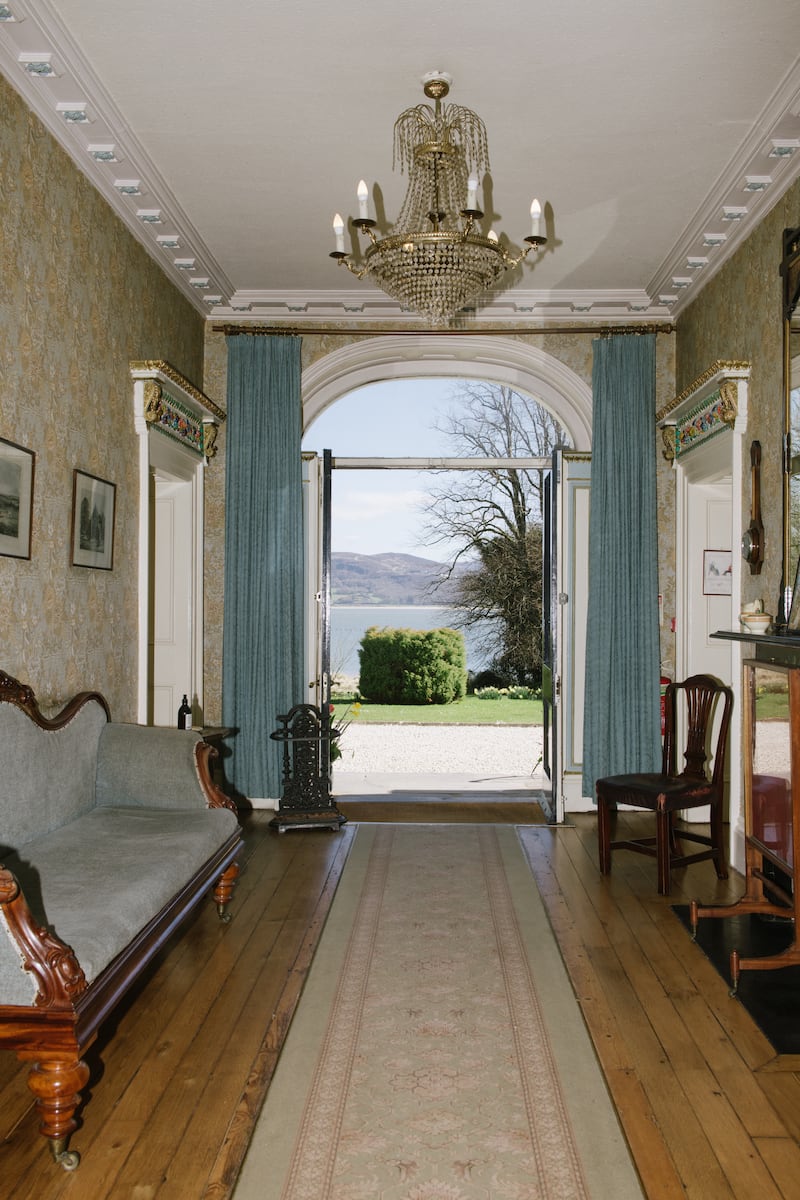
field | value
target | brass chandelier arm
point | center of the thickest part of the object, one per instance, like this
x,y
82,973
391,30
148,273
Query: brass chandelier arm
x,y
346,261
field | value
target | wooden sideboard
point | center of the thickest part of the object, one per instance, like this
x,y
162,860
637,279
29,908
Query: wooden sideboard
x,y
771,744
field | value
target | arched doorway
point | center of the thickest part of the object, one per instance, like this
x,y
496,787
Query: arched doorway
x,y
501,360
496,359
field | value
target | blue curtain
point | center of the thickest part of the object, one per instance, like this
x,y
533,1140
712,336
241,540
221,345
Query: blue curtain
x,y
262,668
622,711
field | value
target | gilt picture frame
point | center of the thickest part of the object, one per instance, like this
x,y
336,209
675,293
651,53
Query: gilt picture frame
x,y
93,513
17,468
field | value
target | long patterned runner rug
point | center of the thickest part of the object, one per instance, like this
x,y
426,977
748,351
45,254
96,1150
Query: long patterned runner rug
x,y
438,1052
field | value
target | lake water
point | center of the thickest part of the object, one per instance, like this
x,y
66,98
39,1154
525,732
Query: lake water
x,y
349,623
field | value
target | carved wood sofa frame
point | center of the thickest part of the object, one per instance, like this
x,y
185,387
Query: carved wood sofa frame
x,y
55,1030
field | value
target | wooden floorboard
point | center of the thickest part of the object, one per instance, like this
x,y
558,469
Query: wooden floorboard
x,y
192,1047
707,1111
179,1074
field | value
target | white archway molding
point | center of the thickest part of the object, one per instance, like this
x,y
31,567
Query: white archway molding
x,y
495,359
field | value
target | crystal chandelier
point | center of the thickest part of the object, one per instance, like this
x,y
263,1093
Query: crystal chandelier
x,y
436,261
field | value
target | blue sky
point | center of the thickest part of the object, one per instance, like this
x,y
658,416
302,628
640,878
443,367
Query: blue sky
x,y
378,511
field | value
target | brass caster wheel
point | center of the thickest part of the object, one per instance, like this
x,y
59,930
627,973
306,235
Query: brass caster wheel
x,y
223,914
68,1159
733,990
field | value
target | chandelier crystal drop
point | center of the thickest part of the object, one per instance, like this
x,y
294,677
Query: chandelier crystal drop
x,y
436,261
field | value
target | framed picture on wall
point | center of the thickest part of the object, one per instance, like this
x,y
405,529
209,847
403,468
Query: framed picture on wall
x,y
717,569
16,499
93,503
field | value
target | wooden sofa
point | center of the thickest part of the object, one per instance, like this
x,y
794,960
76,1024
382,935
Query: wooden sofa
x,y
110,834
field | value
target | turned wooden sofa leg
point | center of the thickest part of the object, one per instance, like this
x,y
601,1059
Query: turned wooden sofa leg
x,y
224,890
57,1083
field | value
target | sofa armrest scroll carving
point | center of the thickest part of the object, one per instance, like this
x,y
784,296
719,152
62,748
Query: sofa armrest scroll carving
x,y
205,755
59,977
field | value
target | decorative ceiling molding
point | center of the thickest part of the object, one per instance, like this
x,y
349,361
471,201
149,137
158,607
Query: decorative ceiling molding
x,y
767,164
76,109
40,58
371,306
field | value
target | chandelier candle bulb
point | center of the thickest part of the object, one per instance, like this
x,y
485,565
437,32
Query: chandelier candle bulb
x,y
338,229
536,218
472,193
363,195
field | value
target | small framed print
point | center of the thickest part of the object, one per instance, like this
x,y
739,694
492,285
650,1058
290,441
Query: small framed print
x,y
93,503
717,572
16,499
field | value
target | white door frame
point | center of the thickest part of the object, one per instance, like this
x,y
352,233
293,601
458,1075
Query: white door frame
x,y
706,427
176,426
572,575
312,549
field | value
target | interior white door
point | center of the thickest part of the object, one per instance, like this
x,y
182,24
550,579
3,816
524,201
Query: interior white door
x,y
172,608
707,528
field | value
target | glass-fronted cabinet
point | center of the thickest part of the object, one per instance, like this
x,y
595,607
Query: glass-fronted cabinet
x,y
771,695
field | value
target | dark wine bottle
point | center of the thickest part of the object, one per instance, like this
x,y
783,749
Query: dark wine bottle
x,y
185,715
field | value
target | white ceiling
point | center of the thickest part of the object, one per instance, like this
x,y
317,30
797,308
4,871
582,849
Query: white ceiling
x,y
246,124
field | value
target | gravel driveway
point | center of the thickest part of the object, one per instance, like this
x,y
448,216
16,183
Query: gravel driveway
x,y
440,749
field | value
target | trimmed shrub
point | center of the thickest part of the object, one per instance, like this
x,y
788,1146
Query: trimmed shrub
x,y
413,666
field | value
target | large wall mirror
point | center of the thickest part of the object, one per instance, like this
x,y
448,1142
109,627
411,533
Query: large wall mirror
x,y
790,270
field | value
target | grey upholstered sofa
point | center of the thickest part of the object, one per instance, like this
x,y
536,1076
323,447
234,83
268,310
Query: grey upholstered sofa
x,y
110,834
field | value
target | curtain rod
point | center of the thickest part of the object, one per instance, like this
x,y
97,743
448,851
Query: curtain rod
x,y
338,331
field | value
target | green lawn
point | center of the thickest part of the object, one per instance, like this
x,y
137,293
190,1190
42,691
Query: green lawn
x,y
469,711
772,706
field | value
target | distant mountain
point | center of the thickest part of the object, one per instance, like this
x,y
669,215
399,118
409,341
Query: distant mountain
x,y
391,579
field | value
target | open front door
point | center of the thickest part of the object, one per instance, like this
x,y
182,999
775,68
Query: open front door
x,y
551,683
565,581
317,518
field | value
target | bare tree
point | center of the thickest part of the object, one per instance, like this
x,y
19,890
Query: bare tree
x,y
493,517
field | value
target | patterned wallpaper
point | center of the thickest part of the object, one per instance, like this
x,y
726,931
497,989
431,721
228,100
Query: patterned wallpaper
x,y
737,316
80,300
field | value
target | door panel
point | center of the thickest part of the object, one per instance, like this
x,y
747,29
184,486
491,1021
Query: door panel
x,y
317,517
708,527
566,576
312,518
172,599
